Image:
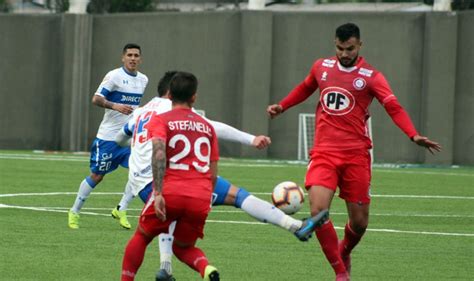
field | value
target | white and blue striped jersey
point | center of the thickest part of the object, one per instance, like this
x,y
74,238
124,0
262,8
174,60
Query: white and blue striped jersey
x,y
140,173
119,86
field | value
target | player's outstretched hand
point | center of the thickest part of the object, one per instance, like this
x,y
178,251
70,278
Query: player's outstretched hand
x,y
160,207
261,142
123,108
274,110
429,144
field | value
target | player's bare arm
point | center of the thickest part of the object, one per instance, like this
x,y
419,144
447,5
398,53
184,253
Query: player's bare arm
x,y
274,110
158,163
427,143
102,102
213,168
261,142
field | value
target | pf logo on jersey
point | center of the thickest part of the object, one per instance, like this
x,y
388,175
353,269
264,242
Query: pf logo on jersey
x,y
337,101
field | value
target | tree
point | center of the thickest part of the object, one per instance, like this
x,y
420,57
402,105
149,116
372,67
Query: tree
x,y
120,6
4,6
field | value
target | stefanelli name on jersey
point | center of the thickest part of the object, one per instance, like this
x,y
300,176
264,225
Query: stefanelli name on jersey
x,y
188,125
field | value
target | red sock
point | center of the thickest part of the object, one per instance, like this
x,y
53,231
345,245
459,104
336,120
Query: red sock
x,y
134,253
351,239
193,257
328,240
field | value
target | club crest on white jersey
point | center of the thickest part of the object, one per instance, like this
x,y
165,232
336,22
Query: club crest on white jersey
x,y
337,101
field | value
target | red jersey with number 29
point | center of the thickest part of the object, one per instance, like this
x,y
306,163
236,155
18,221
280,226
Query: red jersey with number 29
x,y
345,96
191,145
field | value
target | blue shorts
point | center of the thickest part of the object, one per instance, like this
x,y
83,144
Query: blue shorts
x,y
106,156
145,192
221,189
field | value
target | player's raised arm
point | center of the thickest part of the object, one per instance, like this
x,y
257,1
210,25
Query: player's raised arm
x,y
274,110
425,142
399,116
299,94
229,133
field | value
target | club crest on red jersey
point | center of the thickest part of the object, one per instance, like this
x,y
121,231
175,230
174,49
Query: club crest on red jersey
x,y
359,83
337,101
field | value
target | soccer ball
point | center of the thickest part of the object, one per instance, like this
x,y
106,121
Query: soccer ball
x,y
288,197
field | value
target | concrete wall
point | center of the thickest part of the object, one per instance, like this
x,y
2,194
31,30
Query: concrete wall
x,y
463,124
30,75
244,60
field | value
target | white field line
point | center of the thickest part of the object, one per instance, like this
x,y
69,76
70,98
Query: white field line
x,y
239,211
254,193
55,193
46,209
400,196
73,158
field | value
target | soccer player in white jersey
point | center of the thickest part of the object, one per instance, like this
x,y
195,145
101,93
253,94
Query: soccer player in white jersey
x,y
119,93
225,193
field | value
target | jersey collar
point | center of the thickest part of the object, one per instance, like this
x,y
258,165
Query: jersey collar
x,y
129,73
349,69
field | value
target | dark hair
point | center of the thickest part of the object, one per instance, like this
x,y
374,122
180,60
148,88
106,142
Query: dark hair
x,y
131,46
164,83
346,31
183,86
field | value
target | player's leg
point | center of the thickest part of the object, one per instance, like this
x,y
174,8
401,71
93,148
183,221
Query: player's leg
x,y
189,228
134,254
229,194
166,254
353,231
149,227
320,199
322,180
103,160
355,191
120,212
165,242
85,189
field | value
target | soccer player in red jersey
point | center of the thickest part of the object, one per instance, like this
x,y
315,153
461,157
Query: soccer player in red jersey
x,y
340,156
184,163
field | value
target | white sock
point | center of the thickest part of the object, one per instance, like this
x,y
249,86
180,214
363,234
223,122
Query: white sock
x,y
166,251
127,197
84,190
266,212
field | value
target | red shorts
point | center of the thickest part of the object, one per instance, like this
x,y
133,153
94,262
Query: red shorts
x,y
189,213
350,170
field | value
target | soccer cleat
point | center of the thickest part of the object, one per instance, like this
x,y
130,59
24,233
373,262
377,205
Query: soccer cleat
x,y
211,274
162,275
345,258
73,220
309,224
122,217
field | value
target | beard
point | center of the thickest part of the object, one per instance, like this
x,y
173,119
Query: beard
x,y
347,62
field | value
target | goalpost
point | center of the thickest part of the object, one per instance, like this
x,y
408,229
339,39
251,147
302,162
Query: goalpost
x,y
306,135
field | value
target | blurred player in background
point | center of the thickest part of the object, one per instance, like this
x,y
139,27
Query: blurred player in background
x,y
184,164
225,193
340,156
119,93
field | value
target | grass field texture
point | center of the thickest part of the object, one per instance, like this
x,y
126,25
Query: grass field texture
x,y
421,225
